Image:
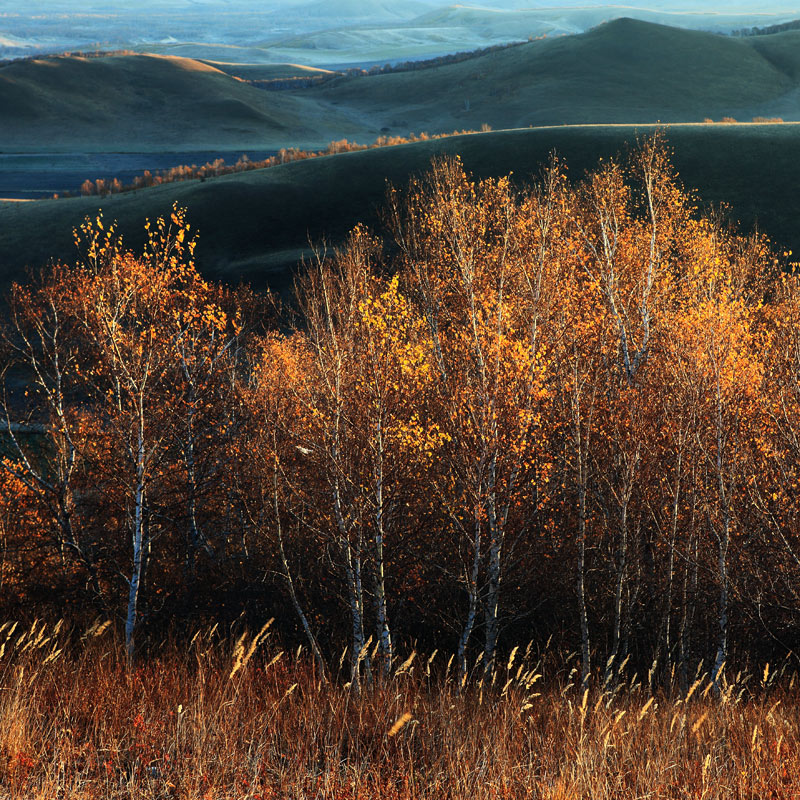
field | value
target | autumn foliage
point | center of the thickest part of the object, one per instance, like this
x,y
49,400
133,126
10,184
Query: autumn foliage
x,y
567,413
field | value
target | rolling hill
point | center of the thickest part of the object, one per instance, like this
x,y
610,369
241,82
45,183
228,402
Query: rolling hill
x,y
138,103
389,30
255,226
625,71
339,39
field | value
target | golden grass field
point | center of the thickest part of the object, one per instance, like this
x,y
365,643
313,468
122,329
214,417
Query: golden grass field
x,y
218,720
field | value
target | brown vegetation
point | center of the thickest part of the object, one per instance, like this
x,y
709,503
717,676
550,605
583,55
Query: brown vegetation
x,y
569,414
75,722
761,120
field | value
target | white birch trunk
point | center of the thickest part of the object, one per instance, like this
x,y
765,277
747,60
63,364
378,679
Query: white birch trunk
x,y
138,543
382,617
472,609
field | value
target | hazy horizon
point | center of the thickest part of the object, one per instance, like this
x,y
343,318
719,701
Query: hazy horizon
x,y
365,32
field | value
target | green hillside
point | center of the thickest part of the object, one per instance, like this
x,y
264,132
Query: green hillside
x,y
256,225
625,71
458,28
137,103
780,49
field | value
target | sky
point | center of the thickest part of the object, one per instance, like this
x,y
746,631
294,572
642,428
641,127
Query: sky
x,y
122,6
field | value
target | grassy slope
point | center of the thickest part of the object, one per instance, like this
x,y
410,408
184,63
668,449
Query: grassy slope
x,y
267,72
781,49
148,102
256,225
624,71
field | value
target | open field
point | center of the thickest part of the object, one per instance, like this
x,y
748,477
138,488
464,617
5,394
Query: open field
x,y
255,226
76,723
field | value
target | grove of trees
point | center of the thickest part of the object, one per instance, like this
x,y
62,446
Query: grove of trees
x,y
568,414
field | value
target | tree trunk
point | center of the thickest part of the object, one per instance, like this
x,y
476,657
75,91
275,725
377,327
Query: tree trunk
x,y
138,547
472,609
287,574
622,565
493,586
382,618
586,657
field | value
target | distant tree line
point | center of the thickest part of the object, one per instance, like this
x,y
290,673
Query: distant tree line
x,y
303,82
567,414
70,54
769,29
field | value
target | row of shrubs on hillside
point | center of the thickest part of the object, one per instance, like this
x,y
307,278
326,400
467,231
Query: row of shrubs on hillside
x,y
70,54
213,169
107,186
732,120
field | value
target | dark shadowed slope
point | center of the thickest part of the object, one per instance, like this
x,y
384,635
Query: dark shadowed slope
x,y
255,226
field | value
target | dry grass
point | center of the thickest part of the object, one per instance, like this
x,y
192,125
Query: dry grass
x,y
76,723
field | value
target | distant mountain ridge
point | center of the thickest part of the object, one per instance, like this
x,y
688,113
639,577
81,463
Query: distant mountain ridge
x,y
369,31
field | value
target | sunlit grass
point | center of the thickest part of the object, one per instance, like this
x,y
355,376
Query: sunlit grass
x,y
75,722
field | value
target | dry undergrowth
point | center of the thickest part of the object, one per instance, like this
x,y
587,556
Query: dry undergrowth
x,y
75,722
